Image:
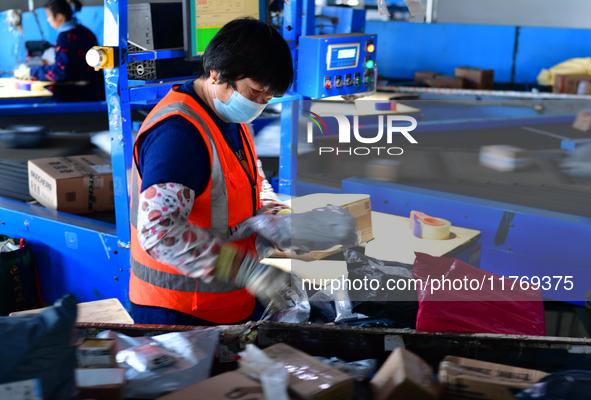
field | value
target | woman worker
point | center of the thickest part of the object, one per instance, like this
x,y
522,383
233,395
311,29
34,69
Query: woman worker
x,y
75,80
196,178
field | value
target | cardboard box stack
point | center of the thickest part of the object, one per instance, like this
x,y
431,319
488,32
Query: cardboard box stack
x,y
404,375
97,375
475,78
464,378
77,184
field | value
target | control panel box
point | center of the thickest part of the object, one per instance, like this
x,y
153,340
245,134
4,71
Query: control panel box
x,y
335,65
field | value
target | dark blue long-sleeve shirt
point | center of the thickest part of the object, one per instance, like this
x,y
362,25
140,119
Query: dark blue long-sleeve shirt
x,y
70,66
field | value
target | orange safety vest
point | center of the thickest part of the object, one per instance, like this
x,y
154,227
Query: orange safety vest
x,y
227,200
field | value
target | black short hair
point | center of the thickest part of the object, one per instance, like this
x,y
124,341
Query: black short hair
x,y
248,48
64,7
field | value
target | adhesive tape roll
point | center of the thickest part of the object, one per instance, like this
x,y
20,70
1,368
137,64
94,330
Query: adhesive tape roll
x,y
435,228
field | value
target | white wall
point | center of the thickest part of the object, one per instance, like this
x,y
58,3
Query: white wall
x,y
543,13
24,4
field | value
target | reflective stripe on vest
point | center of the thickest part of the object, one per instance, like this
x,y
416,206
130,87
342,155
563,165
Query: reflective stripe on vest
x,y
157,284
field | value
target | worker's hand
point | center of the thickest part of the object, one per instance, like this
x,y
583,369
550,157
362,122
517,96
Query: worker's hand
x,y
22,72
265,282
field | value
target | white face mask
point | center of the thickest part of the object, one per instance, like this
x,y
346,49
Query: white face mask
x,y
238,108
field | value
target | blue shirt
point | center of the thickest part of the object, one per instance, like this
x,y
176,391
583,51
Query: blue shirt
x,y
173,150
70,65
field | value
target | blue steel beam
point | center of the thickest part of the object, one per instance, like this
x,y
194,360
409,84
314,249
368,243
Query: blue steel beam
x,y
73,254
117,91
154,55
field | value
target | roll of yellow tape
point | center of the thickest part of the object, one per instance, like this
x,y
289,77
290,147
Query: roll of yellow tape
x,y
426,227
440,231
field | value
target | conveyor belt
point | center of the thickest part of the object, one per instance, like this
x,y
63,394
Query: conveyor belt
x,y
560,198
14,180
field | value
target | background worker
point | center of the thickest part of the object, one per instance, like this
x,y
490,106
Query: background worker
x,y
197,179
75,80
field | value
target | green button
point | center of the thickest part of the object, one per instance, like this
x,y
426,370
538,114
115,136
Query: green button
x,y
358,81
368,79
369,64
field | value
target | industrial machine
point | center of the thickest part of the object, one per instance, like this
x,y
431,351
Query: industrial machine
x,y
336,65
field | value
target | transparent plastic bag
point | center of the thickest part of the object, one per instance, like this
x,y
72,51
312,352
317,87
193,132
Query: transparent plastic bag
x,y
147,357
195,349
298,309
273,376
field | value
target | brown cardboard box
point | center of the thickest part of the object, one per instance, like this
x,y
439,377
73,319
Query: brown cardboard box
x,y
101,384
504,158
404,375
568,84
359,205
96,353
77,184
446,81
583,121
420,76
310,378
475,78
230,385
466,378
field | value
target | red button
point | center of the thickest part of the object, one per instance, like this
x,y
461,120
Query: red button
x,y
328,84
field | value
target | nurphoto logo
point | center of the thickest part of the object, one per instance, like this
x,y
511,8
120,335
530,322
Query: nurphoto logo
x,y
345,133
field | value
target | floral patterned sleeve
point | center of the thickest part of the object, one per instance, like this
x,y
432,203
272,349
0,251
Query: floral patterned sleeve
x,y
271,203
166,235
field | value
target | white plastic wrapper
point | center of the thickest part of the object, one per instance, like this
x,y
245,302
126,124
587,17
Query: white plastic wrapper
x,y
383,8
195,351
273,376
147,357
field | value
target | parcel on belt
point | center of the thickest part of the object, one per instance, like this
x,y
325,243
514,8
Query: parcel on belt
x,y
76,184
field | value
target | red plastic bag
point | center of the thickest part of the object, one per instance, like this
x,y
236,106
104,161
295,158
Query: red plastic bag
x,y
473,300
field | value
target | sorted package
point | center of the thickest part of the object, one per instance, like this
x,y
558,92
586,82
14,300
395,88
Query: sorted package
x,y
101,383
467,378
447,308
404,375
476,78
310,378
77,184
230,385
359,205
504,158
96,353
569,84
445,81
420,76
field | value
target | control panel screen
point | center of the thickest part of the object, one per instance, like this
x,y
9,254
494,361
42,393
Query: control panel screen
x,y
342,56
